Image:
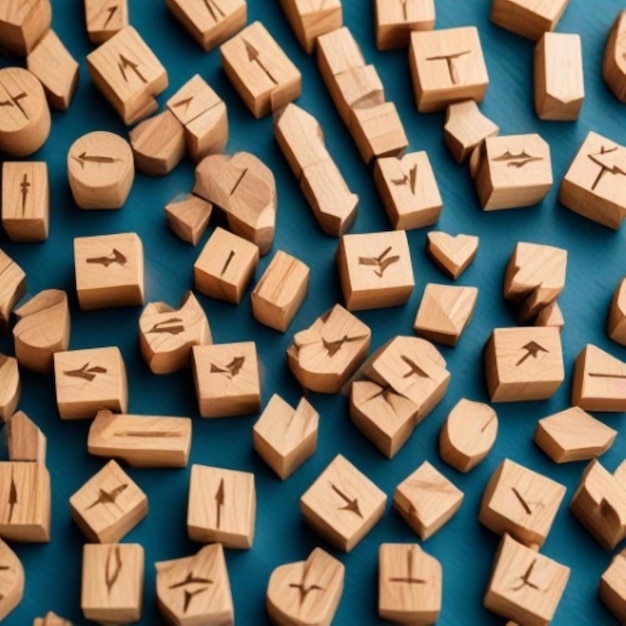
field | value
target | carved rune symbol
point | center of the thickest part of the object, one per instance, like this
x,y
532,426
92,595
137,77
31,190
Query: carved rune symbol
x,y
615,376
107,497
334,346
605,167
517,160
302,588
111,12
232,369
117,257
24,187
83,158
190,579
14,101
85,372
125,64
532,350
13,500
214,9
525,579
410,580
219,502
382,261
409,180
415,370
173,326
351,505
254,56
113,567
450,60
231,256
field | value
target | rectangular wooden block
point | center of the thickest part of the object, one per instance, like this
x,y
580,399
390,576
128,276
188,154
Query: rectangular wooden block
x,y
528,18
105,18
309,19
397,19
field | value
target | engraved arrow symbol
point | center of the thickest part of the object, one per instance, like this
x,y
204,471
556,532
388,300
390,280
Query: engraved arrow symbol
x,y
118,258
85,158
219,500
334,346
24,186
351,505
232,369
410,180
382,261
85,372
113,567
12,497
125,64
213,9
166,328
253,56
613,169
107,497
450,59
186,102
532,350
111,11
15,101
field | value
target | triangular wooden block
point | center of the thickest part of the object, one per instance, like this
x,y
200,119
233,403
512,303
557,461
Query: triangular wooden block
x,y
26,441
189,217
452,255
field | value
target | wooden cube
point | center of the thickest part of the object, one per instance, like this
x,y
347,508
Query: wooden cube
x,y
395,21
612,588
188,217
528,18
23,24
12,288
466,129
309,19
616,323
105,19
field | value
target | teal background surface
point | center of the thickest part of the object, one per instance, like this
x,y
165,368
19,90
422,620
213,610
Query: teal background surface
x,y
465,549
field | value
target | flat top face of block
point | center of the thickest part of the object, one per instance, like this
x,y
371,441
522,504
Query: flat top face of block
x,y
193,99
25,95
405,11
17,12
106,15
563,65
226,256
615,575
24,190
446,309
282,279
227,369
548,9
209,14
603,376
340,51
24,494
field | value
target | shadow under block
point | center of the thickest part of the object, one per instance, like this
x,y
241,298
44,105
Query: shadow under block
x,y
466,128
452,255
427,500
88,381
105,18
109,271
11,580
188,217
128,74
447,66
260,71
410,584
286,437
306,592
616,323
109,505
196,589
523,364
26,502
614,64
112,582
310,19
227,379
395,21
23,24
10,386
325,355
12,288
520,502
141,441
528,18
26,442
612,589
25,200
594,184
342,505
525,586
222,507
573,435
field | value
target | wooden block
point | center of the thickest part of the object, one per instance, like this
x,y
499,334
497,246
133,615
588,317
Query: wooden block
x,y
51,619
396,20
447,66
614,64
105,18
520,502
306,592
466,129
10,386
559,81
573,435
225,266
56,68
11,580
12,288
128,74
141,441
528,18
612,589
523,364
25,494
196,589
514,171
109,271
594,184
409,584
109,505
167,335
301,140
325,355
444,312
309,19
244,188
525,586
112,582
551,316
43,329
158,144
468,435
212,22
25,200
227,379
377,131
26,442
260,71
599,381
188,217
342,505
203,114
281,291
88,381
427,500
616,323
222,507
409,191
452,255
24,115
23,24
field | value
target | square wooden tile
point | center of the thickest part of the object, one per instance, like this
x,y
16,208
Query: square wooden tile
x,y
395,21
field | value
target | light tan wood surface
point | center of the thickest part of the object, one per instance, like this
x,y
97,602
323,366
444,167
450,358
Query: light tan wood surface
x,y
12,288
25,440
188,217
51,619
614,64
23,24
528,18
616,322
452,255
466,129
10,386
105,18
395,21
309,19
11,580
612,589
552,316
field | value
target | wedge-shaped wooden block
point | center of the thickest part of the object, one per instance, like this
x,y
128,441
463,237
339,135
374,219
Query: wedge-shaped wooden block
x,y
559,81
309,19
25,200
12,288
112,583
466,128
307,592
427,500
222,507
11,580
447,66
227,379
395,21
281,291
188,217
51,619
109,271
452,255
105,18
286,437
520,502
128,75
612,589
468,435
109,505
196,589
26,501
325,355
410,584
260,71
573,435
551,316
22,25
616,323
88,381
525,586
599,381
342,505
594,184
528,18
212,22
10,386
26,442
614,64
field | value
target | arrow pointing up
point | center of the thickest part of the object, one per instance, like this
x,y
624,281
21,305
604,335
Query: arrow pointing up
x,y
532,350
254,56
219,499
125,64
